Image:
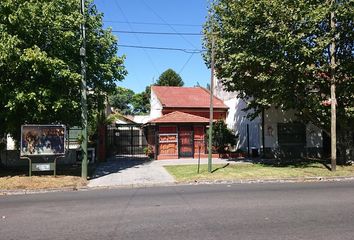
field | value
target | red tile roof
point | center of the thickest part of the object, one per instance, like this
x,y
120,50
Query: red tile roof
x,y
186,97
179,117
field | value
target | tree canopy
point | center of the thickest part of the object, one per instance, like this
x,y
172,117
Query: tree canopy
x,y
276,53
126,102
170,78
40,62
222,136
141,102
122,100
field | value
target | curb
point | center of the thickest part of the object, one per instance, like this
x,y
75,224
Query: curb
x,y
201,182
283,180
35,191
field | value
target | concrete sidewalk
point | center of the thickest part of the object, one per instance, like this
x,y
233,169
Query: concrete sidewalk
x,y
189,161
133,172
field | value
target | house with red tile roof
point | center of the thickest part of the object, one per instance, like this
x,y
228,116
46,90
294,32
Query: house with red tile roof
x,y
179,119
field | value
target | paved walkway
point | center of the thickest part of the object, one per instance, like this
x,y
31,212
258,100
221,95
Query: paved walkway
x,y
135,172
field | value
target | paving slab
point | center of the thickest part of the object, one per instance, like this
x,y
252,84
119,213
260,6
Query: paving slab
x,y
129,172
189,161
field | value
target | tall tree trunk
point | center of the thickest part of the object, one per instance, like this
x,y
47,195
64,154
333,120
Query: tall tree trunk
x,y
333,94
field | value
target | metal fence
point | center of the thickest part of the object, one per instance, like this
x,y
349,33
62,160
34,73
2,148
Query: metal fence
x,y
126,140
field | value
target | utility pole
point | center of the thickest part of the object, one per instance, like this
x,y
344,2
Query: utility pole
x,y
83,94
263,133
211,116
333,93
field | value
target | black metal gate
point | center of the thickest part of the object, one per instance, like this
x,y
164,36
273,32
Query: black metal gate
x,y
126,140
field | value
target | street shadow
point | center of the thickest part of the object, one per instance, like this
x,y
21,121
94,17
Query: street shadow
x,y
12,172
216,169
286,163
326,166
61,170
117,164
242,160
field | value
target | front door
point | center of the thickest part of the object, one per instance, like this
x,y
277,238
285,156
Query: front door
x,y
185,142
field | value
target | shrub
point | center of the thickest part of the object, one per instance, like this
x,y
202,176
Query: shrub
x,y
149,151
222,137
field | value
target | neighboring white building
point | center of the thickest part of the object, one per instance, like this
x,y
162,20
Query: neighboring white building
x,y
155,106
283,134
10,143
248,131
142,119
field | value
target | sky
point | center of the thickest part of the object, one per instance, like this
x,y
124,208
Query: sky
x,y
144,66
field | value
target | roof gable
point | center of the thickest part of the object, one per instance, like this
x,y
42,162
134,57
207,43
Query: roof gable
x,y
179,117
186,97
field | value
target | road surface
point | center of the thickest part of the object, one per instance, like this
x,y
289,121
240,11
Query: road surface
x,y
238,211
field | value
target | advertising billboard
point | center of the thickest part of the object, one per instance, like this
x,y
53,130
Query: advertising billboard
x,y
41,140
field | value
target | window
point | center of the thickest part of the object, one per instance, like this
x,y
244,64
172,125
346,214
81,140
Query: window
x,y
291,134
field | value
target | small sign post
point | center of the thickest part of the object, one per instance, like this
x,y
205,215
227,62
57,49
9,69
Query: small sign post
x,y
43,141
199,159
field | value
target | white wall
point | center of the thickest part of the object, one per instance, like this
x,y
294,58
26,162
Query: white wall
x,y
237,120
142,118
10,143
156,106
274,116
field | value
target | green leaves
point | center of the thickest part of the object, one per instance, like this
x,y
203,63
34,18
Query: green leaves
x,y
272,51
170,78
222,136
129,103
40,64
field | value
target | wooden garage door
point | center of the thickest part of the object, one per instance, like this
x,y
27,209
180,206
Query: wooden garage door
x,y
168,144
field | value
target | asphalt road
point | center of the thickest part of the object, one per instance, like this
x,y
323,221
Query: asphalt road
x,y
237,211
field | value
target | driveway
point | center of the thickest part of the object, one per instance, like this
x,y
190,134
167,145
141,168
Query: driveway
x,y
138,172
129,172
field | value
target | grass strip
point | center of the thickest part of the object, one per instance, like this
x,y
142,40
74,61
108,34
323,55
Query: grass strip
x,y
187,173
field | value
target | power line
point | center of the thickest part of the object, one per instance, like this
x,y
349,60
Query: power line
x,y
192,51
154,23
173,29
137,37
185,64
159,33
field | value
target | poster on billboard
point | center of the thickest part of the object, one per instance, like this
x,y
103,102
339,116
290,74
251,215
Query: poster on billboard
x,y
42,140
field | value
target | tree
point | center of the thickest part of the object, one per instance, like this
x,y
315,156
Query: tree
x,y
141,102
129,103
40,62
222,136
122,100
276,53
169,78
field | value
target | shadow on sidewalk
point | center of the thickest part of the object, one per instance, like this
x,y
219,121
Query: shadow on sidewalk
x,y
295,163
117,164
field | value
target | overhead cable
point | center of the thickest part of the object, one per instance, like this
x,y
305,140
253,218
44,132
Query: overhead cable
x,y
171,27
158,33
154,23
163,48
137,37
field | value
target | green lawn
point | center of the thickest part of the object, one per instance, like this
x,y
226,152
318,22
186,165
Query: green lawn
x,y
186,173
